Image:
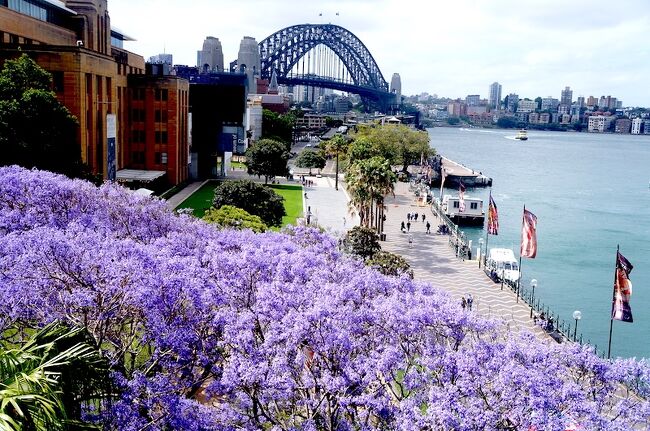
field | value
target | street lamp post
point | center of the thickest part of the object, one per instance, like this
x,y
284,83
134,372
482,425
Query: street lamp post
x,y
577,315
533,284
480,253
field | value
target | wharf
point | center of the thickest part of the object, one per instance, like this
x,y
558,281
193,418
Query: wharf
x,y
455,172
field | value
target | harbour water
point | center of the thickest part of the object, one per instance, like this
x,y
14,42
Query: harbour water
x,y
589,192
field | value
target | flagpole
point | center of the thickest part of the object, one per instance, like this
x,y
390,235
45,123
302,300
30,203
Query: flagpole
x,y
487,236
520,271
611,317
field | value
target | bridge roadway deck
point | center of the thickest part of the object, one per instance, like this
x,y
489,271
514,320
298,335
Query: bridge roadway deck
x,y
434,261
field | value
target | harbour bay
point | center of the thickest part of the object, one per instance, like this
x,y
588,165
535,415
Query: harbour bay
x,y
590,192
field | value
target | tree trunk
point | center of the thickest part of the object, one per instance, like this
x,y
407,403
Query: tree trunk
x,y
336,181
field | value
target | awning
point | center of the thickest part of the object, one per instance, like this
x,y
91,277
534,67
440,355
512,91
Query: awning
x,y
128,175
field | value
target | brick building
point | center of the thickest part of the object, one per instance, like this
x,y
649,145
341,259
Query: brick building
x,y
74,41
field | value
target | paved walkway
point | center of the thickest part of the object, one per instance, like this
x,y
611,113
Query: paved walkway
x,y
434,261
179,197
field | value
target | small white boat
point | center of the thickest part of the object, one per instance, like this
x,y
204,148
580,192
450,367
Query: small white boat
x,y
473,215
522,135
502,265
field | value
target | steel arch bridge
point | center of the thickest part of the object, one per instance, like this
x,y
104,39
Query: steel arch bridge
x,y
325,56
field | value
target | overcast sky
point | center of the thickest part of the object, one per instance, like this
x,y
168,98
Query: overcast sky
x,y
450,48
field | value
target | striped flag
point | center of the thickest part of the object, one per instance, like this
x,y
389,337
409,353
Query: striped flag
x,y
621,309
529,235
461,199
493,218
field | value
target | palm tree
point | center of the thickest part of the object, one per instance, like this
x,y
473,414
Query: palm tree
x,y
368,182
44,382
337,145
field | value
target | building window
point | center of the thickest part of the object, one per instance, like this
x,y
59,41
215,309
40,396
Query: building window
x,y
28,8
57,82
161,94
158,158
138,94
456,204
163,158
161,116
163,137
473,205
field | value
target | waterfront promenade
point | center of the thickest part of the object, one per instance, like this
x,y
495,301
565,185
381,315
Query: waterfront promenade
x,y
434,261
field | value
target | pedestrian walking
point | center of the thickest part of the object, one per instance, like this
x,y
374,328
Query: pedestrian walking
x,y
463,302
408,216
423,217
402,227
470,301
410,241
416,216
428,227
408,226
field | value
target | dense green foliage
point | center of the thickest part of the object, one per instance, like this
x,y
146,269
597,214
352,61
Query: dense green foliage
x,y
47,381
362,241
399,144
256,199
267,158
311,159
36,130
390,264
278,127
229,216
507,122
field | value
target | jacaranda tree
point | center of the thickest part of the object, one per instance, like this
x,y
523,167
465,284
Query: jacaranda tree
x,y
207,329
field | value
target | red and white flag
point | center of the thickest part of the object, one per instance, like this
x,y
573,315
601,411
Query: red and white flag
x,y
461,198
529,235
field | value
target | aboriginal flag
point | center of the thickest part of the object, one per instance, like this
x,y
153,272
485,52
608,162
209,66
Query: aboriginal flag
x,y
621,309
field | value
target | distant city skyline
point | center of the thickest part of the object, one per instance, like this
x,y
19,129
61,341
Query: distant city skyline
x,y
453,49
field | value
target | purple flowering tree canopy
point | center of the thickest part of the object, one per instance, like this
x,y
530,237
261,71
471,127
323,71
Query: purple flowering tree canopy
x,y
209,329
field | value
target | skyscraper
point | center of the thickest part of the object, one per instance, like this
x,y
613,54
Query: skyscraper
x,y
495,95
567,96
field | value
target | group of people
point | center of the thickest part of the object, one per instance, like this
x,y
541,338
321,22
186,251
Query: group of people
x,y
306,182
406,227
467,303
544,322
414,216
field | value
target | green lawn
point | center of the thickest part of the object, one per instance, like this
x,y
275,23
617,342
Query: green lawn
x,y
201,200
292,202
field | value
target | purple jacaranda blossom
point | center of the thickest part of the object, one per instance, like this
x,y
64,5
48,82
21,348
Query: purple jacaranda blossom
x,y
210,329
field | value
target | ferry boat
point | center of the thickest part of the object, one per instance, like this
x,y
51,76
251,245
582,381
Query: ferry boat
x,y
473,214
501,265
522,135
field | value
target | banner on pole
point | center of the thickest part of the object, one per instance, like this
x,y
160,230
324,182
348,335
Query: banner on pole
x,y
529,235
621,309
461,197
493,218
